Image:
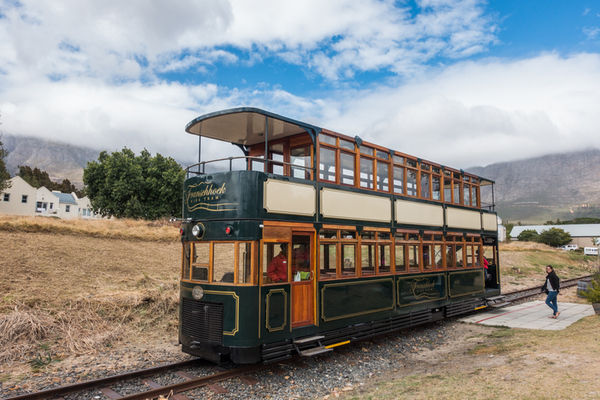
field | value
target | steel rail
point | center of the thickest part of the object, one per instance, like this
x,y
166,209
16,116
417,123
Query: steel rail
x,y
51,393
193,383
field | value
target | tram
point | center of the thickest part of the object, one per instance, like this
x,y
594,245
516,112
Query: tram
x,y
311,239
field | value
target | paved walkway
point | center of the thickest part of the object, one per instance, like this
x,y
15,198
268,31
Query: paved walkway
x,y
532,315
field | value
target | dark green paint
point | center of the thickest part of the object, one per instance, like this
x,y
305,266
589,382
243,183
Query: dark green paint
x,y
465,283
421,289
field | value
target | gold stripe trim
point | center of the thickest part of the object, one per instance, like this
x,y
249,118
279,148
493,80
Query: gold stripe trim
x,y
236,298
268,305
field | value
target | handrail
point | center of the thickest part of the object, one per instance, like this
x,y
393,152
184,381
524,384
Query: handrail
x,y
201,166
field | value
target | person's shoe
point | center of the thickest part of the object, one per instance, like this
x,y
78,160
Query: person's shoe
x,y
557,314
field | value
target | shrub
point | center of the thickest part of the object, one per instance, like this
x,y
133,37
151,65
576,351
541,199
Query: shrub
x,y
528,235
593,291
555,237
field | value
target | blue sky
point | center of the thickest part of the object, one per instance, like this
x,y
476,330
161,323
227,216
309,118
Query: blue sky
x,y
460,82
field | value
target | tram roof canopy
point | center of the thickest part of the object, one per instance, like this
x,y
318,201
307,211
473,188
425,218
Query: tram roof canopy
x,y
247,126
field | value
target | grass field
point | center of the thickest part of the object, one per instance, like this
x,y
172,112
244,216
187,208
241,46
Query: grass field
x,y
70,288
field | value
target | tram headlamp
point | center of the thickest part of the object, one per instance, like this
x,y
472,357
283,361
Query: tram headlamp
x,y
197,292
198,230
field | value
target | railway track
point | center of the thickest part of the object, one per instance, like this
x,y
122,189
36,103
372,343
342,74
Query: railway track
x,y
147,388
524,294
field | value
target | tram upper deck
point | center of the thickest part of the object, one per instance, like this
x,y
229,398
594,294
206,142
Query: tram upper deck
x,y
317,175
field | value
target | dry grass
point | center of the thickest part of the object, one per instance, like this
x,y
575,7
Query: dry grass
x,y
161,230
65,292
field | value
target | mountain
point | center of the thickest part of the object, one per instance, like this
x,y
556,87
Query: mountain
x,y
563,186
60,160
534,190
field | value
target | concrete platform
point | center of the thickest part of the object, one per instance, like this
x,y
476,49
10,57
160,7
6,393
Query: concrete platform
x,y
532,315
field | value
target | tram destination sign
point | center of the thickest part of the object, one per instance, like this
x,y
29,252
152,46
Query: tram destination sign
x,y
222,195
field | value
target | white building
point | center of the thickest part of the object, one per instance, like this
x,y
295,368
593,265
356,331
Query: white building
x,y
582,235
23,199
19,198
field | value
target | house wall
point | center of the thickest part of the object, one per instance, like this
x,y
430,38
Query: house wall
x,y
15,204
46,196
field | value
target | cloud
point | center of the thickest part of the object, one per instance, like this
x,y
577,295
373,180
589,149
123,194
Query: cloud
x,y
335,38
478,113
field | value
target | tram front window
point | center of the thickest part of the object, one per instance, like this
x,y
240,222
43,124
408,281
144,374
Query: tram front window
x,y
223,268
200,261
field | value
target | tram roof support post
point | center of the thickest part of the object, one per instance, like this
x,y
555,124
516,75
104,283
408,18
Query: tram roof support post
x,y
266,144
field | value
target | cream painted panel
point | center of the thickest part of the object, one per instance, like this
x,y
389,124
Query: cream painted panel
x,y
465,219
490,222
289,198
414,213
349,205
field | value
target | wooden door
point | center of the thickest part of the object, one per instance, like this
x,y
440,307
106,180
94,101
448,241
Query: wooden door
x,y
303,275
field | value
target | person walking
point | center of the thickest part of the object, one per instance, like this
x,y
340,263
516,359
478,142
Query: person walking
x,y
551,288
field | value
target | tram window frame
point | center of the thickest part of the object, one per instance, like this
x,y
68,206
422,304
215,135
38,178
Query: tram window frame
x,y
427,246
366,160
412,168
384,242
218,250
264,265
248,278
382,158
201,265
436,175
368,241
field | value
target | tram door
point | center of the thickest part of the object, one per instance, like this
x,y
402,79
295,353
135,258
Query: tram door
x,y
303,307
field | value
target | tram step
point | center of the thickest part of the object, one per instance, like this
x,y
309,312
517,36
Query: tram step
x,y
495,298
308,339
276,359
498,305
314,351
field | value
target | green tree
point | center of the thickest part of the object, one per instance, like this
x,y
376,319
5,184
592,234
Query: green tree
x,y
124,185
4,175
555,237
528,235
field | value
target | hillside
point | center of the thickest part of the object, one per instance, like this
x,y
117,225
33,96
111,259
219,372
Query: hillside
x,y
60,160
554,186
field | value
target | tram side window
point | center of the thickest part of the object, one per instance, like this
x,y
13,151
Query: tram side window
x,y
366,172
300,160
411,182
347,168
459,255
348,259
438,256
275,263
244,263
400,252
328,260
223,264
427,257
327,164
200,261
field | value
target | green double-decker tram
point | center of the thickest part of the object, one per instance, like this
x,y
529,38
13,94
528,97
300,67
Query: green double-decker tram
x,y
310,239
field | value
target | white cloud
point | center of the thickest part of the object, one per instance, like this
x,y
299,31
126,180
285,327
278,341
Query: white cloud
x,y
477,113
336,38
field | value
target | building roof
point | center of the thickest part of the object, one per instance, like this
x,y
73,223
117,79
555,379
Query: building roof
x,y
575,230
65,198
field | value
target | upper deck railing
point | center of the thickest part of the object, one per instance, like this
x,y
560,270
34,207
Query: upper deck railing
x,y
281,168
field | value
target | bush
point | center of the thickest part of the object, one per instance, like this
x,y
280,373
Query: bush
x,y
555,237
528,235
593,291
